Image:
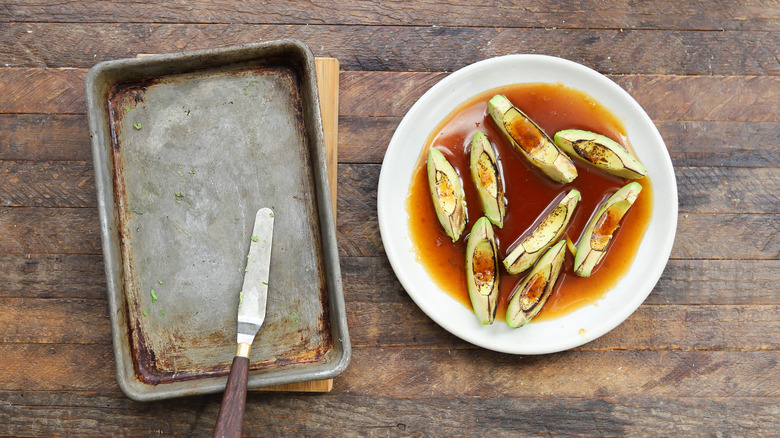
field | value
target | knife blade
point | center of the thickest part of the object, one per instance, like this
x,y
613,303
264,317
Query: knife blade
x,y
251,310
251,314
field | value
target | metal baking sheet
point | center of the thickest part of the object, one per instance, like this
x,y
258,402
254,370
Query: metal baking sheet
x,y
186,148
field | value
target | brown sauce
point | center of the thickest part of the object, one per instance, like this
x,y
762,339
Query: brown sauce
x,y
528,193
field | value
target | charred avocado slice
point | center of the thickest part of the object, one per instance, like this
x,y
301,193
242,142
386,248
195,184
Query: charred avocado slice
x,y
449,201
483,165
596,237
531,245
529,296
482,270
601,152
530,140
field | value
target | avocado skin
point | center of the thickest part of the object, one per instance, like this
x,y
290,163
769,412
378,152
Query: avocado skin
x,y
482,254
545,155
588,257
441,172
549,230
522,307
482,150
600,152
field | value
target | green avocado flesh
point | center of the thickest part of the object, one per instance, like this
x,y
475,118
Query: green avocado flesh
x,y
487,178
601,152
529,296
447,194
482,270
597,235
534,242
526,137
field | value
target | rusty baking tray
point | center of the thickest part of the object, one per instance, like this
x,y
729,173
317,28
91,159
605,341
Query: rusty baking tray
x,y
186,148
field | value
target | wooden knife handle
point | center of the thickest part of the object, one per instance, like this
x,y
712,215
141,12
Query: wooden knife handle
x,y
231,411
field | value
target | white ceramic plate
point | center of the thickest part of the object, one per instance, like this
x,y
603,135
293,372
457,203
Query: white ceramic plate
x,y
582,325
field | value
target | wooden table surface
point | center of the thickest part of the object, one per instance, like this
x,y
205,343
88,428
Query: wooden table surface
x,y
699,358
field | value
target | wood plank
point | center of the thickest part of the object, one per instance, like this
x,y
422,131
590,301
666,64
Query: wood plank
x,y
42,90
47,184
70,184
425,373
371,279
52,276
54,321
364,140
651,327
44,137
684,282
405,48
592,14
59,413
728,282
30,230
49,231
359,231
665,98
401,325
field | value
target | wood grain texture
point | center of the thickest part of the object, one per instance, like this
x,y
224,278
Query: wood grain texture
x,y
419,373
364,140
371,279
404,48
52,276
665,98
69,184
400,324
61,413
654,14
698,358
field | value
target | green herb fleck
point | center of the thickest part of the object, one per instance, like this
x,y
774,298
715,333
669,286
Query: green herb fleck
x,y
159,281
178,195
272,214
240,298
265,283
192,172
154,296
137,126
162,312
255,238
144,313
127,110
179,172
294,316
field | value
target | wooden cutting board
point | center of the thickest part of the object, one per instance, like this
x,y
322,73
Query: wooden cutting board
x,y
328,88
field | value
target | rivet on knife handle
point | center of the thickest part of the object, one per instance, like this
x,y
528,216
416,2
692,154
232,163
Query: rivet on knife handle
x,y
251,313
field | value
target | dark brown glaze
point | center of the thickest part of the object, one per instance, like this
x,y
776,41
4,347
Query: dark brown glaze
x,y
528,192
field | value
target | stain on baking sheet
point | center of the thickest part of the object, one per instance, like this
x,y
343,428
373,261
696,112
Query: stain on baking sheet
x,y
195,155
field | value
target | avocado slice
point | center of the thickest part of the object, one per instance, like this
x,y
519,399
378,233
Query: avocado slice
x,y
449,200
601,152
529,296
482,270
484,171
530,140
597,236
530,246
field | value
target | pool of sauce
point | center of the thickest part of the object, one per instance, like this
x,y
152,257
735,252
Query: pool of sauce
x,y
528,193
